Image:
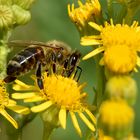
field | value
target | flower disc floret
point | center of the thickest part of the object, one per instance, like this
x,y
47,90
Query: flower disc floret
x,y
120,58
120,35
3,95
63,91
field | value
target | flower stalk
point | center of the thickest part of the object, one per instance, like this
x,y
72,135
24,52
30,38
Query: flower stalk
x,y
4,51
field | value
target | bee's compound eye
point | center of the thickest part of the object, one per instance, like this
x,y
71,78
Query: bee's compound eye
x,y
73,59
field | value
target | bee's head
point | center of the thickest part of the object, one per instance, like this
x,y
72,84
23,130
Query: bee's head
x,y
72,61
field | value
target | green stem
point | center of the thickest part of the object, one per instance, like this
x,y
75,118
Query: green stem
x,y
4,51
99,91
101,82
17,135
48,128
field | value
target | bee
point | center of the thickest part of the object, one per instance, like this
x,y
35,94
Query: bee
x,y
53,57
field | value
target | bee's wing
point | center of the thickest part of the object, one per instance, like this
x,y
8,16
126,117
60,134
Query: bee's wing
x,y
20,43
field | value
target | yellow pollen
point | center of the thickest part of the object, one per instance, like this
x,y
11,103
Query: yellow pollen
x,y
120,58
63,91
120,34
3,94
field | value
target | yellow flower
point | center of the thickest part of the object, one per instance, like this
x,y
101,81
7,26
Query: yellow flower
x,y
84,13
116,118
61,92
119,43
5,102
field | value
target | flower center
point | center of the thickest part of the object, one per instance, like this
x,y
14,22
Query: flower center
x,y
120,34
63,91
120,58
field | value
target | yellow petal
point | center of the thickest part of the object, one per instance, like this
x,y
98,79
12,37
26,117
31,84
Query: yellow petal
x,y
92,117
41,107
86,121
136,70
69,9
11,102
80,3
34,99
62,117
22,86
134,24
101,61
75,123
90,40
138,61
19,109
95,26
23,95
9,118
94,52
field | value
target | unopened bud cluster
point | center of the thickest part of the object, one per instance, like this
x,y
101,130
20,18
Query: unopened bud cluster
x,y
116,113
14,13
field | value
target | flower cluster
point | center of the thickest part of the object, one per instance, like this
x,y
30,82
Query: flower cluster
x,y
6,102
118,43
59,92
14,12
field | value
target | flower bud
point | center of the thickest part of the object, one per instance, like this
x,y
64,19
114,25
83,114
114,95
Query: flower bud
x,y
25,4
21,16
123,87
6,17
116,119
50,116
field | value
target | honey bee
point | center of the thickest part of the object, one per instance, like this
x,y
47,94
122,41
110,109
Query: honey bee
x,y
53,56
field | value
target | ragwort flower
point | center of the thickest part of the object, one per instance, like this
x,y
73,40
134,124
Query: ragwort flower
x,y
84,13
5,102
119,43
64,93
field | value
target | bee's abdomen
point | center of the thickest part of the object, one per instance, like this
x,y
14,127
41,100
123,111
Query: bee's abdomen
x,y
24,61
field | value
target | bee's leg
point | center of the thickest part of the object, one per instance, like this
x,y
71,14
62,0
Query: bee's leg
x,y
54,67
54,63
80,71
38,75
9,79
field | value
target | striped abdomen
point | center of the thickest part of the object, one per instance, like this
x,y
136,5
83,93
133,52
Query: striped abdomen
x,y
25,61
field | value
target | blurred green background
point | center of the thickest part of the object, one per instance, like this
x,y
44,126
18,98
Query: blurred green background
x,y
50,21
